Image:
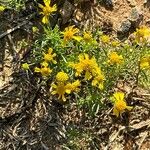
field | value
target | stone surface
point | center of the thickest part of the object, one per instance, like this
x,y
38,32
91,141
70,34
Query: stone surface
x,y
136,16
79,15
66,11
132,3
108,3
125,26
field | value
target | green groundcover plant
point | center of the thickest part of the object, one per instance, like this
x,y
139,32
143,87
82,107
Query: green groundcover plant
x,y
84,66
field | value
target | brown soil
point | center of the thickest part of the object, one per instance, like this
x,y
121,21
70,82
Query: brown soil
x,y
97,15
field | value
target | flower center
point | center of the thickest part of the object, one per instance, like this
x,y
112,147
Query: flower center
x,y
120,105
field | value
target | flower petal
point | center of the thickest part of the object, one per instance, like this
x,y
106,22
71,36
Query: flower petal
x,y
101,86
53,93
45,19
41,6
88,75
36,69
47,2
77,38
129,107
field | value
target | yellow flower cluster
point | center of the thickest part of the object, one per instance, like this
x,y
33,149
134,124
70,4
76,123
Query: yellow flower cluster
x,y
47,10
145,62
114,58
90,69
47,57
119,103
63,87
71,33
142,34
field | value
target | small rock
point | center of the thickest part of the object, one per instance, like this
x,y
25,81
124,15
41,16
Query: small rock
x,y
145,1
66,11
132,3
125,27
79,15
102,131
135,17
108,3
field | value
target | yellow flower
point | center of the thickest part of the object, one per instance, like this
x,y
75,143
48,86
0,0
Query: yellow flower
x,y
145,62
87,37
70,87
49,56
44,70
69,33
47,10
114,58
2,8
85,64
25,66
59,89
142,34
62,77
98,81
44,64
105,39
115,43
119,104
35,29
